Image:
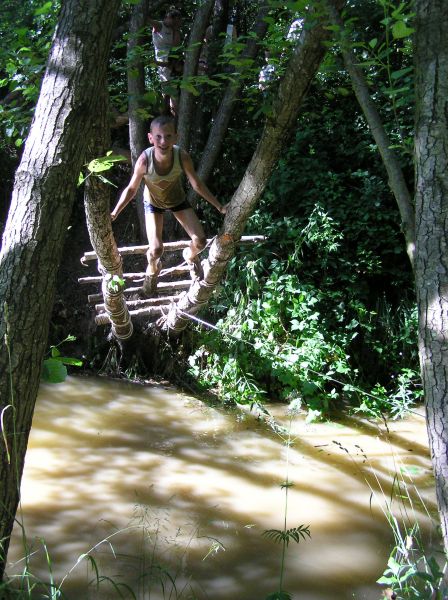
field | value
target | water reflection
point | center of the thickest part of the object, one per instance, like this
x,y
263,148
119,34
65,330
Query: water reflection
x,y
191,488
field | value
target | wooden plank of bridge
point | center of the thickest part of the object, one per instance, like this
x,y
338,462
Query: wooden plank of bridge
x,y
169,291
169,247
173,271
143,303
162,286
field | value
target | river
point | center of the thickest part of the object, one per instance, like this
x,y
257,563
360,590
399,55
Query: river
x,y
159,487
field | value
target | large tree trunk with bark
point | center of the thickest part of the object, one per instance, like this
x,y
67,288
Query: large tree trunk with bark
x,y
391,163
300,71
42,199
431,199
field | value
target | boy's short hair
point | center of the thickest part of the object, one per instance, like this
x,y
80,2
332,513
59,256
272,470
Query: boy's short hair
x,y
163,120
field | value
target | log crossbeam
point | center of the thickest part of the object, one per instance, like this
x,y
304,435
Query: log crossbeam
x,y
169,247
169,291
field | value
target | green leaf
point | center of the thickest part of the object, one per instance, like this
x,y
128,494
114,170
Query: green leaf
x,y
387,580
393,565
411,469
44,9
190,88
53,371
54,352
68,360
280,536
401,30
104,163
401,72
105,180
114,282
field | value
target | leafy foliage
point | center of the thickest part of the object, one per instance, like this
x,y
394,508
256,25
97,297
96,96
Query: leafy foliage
x,y
325,309
54,368
25,31
295,534
410,572
98,166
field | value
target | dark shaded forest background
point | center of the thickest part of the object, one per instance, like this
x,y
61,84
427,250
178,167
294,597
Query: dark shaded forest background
x,y
324,310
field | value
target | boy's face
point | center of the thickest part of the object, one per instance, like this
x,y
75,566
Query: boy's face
x,y
163,137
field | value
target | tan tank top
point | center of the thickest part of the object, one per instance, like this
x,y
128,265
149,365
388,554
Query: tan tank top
x,y
163,191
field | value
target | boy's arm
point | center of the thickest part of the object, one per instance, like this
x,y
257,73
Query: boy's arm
x,y
198,185
129,192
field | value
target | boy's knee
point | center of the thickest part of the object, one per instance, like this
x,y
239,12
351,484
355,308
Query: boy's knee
x,y
154,252
199,242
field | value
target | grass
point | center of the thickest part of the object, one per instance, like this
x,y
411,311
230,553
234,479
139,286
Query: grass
x,y
412,571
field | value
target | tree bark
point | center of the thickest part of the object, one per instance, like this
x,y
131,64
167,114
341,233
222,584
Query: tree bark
x,y
97,207
391,163
186,103
222,118
43,195
138,140
300,71
431,199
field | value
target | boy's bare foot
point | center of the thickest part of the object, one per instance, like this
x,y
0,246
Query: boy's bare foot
x,y
194,265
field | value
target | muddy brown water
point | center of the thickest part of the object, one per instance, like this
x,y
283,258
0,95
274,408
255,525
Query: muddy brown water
x,y
150,481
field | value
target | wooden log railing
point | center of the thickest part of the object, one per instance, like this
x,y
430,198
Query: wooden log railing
x,y
162,286
169,247
173,271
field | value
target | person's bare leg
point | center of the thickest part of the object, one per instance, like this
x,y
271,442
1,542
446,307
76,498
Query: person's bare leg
x,y
190,222
154,229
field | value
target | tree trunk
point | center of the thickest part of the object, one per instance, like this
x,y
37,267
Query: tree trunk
x,y
300,71
136,91
219,24
391,163
42,199
97,207
222,118
186,103
431,199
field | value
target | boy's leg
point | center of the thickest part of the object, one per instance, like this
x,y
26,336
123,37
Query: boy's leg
x,y
190,222
154,228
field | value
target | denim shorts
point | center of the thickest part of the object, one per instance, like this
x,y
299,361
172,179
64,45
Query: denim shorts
x,y
150,208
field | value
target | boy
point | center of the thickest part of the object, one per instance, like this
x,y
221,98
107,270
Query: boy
x,y
161,168
165,36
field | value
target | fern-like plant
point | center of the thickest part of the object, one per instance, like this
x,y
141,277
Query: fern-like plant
x,y
285,535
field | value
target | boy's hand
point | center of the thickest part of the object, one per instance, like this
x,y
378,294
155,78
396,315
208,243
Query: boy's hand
x,y
223,209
